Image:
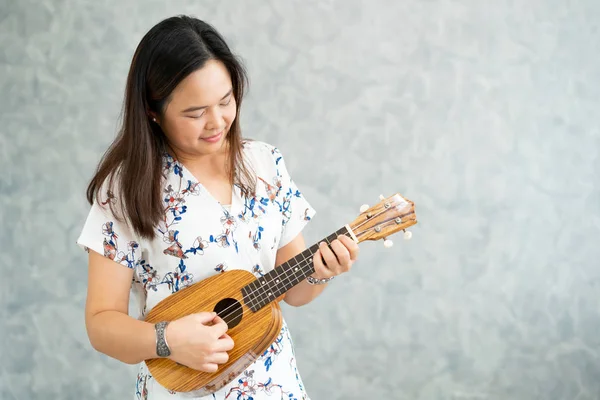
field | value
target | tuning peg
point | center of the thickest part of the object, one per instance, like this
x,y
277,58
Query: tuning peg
x,y
381,197
387,243
407,235
364,208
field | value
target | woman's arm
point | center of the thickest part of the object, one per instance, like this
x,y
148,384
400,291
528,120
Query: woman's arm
x,y
110,329
198,340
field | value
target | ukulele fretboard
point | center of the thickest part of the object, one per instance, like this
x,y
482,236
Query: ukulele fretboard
x,y
273,284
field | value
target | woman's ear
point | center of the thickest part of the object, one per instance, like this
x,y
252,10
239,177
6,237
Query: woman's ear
x,y
153,117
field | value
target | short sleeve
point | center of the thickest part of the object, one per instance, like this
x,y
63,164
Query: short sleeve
x,y
295,209
106,235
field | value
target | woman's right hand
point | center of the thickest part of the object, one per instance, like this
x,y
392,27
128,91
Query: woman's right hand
x,y
199,341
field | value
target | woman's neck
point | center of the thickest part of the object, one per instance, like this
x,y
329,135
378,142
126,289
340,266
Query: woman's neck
x,y
212,163
211,171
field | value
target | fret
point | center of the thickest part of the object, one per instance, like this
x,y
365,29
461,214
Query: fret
x,y
295,278
341,232
272,287
267,287
266,292
344,232
250,298
289,278
252,286
286,277
298,258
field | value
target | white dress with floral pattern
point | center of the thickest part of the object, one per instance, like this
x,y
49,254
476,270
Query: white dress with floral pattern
x,y
200,237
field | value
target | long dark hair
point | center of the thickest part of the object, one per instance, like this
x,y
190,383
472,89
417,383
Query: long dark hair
x,y
168,53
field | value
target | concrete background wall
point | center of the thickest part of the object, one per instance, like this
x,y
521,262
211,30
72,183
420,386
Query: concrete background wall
x,y
483,113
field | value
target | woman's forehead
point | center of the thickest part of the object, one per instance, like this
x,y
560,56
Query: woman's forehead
x,y
204,87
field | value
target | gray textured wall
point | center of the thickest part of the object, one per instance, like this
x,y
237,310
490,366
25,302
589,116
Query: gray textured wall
x,y
485,113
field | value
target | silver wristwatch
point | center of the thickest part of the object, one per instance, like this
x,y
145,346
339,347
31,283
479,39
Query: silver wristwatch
x,y
162,348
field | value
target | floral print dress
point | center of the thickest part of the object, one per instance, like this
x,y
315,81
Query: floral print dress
x,y
199,237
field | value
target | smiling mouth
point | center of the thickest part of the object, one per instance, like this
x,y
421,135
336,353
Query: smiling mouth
x,y
214,138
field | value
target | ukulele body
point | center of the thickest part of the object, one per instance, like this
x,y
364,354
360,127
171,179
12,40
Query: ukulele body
x,y
252,332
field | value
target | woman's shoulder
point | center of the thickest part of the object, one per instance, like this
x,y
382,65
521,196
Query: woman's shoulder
x,y
258,146
261,154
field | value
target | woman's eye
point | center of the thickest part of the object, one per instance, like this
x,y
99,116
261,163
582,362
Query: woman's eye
x,y
227,102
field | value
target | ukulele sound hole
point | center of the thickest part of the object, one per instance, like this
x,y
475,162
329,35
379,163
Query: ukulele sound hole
x,y
230,310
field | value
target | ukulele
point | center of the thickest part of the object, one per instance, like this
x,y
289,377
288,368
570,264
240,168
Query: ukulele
x,y
250,305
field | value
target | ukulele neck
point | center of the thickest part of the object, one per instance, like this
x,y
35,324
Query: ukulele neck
x,y
282,278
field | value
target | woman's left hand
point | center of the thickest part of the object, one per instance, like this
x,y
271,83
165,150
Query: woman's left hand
x,y
338,258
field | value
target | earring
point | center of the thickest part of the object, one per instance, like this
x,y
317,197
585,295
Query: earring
x,y
154,119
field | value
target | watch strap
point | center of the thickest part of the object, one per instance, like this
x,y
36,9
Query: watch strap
x,y
316,281
162,348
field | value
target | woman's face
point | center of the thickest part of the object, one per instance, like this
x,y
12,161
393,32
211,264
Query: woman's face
x,y
202,108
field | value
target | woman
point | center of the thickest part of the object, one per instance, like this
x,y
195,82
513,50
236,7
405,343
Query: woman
x,y
178,197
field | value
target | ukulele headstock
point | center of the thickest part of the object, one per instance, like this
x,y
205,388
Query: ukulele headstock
x,y
389,216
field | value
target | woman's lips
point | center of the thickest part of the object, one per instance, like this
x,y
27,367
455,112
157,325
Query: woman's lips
x,y
214,138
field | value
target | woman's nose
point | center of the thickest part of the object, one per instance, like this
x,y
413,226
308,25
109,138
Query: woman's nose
x,y
214,120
